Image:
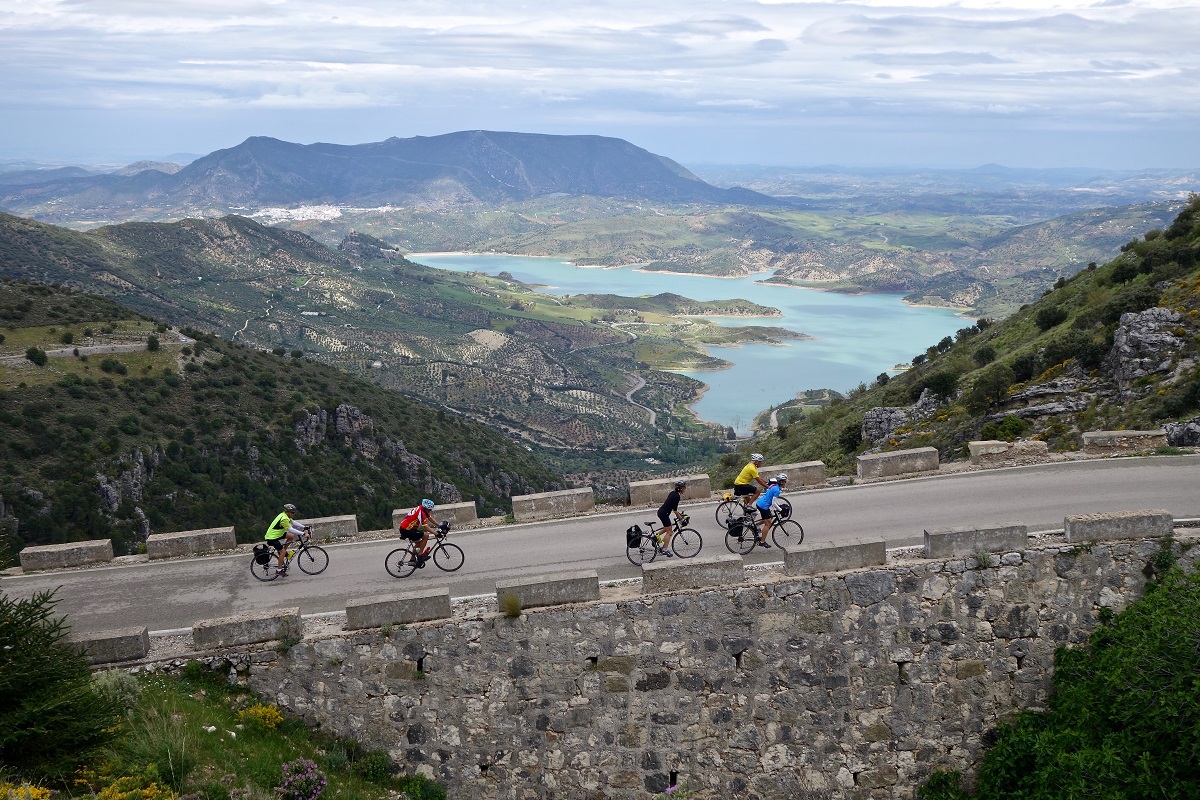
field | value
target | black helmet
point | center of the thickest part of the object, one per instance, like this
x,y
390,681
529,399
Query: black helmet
x,y
288,507
680,484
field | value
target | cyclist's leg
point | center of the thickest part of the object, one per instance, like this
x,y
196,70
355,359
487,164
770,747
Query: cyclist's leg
x,y
665,531
764,526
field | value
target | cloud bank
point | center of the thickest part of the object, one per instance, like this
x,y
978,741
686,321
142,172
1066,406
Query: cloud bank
x,y
879,81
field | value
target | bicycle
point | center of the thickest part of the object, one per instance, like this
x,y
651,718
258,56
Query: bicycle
x,y
730,508
743,534
311,558
642,547
404,561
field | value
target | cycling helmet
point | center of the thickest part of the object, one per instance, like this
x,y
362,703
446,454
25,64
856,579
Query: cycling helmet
x,y
680,484
781,477
756,457
289,507
427,504
773,480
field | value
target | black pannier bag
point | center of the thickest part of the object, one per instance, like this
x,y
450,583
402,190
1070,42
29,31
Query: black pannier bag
x,y
633,536
262,554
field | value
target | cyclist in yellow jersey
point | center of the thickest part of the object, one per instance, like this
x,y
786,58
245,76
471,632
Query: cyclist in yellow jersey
x,y
748,484
282,530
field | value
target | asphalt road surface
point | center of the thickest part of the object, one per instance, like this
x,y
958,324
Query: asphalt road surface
x,y
174,594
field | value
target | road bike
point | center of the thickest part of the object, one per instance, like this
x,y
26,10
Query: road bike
x,y
641,547
404,561
731,508
312,559
742,534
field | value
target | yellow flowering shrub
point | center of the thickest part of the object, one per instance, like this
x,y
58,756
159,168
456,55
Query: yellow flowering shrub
x,y
135,787
24,791
266,716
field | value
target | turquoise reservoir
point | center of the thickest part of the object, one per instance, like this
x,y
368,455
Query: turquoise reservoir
x,y
856,336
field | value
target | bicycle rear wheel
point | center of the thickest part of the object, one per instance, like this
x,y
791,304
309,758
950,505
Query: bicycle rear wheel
x,y
312,559
786,533
740,538
726,511
264,572
642,553
686,542
448,557
399,562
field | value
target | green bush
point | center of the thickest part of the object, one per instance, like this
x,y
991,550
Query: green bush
x,y
1050,316
37,356
1009,428
1121,721
52,716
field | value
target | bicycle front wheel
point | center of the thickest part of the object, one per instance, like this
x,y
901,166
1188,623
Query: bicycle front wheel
x,y
740,538
312,559
400,563
726,511
686,542
264,572
643,552
786,533
448,557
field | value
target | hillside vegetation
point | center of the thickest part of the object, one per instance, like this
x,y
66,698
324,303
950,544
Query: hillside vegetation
x,y
1112,347
195,432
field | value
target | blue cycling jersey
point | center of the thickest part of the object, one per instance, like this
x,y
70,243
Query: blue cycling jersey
x,y
764,502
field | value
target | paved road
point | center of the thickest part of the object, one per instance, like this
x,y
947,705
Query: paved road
x,y
164,596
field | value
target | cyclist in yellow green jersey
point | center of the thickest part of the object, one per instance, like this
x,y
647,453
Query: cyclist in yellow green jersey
x,y
748,483
284,529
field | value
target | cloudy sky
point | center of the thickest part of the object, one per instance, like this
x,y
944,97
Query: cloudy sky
x,y
1113,83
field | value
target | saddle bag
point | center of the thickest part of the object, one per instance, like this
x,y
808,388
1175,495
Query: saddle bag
x,y
262,554
633,536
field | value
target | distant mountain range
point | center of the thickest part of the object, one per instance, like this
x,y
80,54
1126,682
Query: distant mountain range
x,y
445,171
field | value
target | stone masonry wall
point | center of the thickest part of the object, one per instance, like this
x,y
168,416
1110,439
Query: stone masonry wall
x,y
848,685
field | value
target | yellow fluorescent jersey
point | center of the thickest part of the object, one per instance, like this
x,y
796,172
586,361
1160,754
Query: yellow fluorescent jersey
x,y
748,474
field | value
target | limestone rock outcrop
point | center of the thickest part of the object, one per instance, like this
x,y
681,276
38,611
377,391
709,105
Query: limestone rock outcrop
x,y
882,421
1144,344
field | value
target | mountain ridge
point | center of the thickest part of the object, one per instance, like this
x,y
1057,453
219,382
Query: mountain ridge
x,y
458,168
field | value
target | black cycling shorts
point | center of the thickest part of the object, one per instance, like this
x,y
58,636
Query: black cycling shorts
x,y
277,543
740,489
413,535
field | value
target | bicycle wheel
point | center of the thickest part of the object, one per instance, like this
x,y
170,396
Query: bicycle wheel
x,y
312,559
264,572
399,564
740,538
726,511
448,557
788,532
644,552
686,542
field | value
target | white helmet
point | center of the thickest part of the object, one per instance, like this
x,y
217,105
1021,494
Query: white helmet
x,y
756,457
781,477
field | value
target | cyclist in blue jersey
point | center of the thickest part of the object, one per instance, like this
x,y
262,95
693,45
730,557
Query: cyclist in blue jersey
x,y
763,504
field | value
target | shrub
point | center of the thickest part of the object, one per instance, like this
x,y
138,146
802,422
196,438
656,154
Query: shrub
x,y
37,356
1009,428
23,791
152,343
943,384
260,715
52,717
121,688
991,385
1050,316
302,780
984,355
510,606
850,437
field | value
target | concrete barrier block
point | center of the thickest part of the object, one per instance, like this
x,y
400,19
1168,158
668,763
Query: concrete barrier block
x,y
812,558
967,541
190,543
332,527
551,590
899,462
1101,442
654,492
988,447
804,473
398,609
107,647
1119,525
547,505
457,514
262,626
693,573
71,554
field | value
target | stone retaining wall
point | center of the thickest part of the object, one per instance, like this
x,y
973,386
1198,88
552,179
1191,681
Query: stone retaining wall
x,y
458,514
1103,442
804,473
851,685
655,491
332,527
